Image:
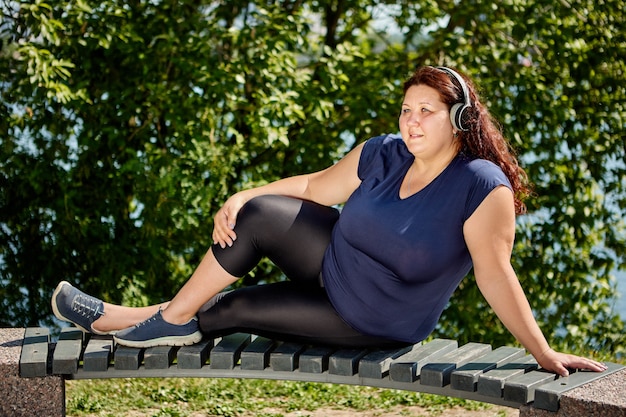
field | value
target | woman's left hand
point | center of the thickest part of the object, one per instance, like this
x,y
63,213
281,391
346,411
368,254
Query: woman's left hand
x,y
560,362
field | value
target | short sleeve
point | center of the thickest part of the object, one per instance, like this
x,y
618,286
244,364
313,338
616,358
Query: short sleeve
x,y
380,151
487,177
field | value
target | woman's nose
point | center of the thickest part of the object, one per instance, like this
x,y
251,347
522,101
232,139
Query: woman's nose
x,y
413,119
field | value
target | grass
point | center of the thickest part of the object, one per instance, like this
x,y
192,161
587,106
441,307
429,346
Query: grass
x,y
182,397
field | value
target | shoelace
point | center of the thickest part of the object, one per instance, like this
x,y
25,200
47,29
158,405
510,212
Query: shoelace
x,y
148,320
155,317
87,306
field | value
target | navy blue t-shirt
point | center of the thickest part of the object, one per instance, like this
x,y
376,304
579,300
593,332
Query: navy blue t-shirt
x,y
393,264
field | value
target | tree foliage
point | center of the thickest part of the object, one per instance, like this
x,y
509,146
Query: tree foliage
x,y
125,124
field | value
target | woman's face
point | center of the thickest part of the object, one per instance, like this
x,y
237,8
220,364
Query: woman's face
x,y
425,123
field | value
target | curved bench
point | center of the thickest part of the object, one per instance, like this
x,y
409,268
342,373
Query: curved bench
x,y
503,376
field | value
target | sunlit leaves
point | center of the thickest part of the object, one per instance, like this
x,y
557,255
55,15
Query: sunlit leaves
x,y
126,124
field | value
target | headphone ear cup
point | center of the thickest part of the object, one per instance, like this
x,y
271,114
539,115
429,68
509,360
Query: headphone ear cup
x,y
457,113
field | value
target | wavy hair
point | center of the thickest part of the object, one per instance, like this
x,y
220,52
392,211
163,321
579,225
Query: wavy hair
x,y
483,137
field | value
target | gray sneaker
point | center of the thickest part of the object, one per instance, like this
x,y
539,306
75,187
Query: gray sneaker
x,y
155,331
73,305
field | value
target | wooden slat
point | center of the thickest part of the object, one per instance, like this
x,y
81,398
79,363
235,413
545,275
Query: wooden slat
x,y
376,364
35,335
195,356
159,357
438,374
67,351
345,361
34,356
256,356
466,377
286,357
547,396
521,389
226,354
407,368
128,358
97,354
491,383
315,360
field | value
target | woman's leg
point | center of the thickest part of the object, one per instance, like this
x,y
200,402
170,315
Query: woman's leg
x,y
292,233
208,279
266,226
93,315
288,311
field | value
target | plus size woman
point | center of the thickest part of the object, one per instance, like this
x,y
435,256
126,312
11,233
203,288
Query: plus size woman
x,y
419,210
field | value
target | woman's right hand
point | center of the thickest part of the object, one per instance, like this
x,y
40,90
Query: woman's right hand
x,y
226,219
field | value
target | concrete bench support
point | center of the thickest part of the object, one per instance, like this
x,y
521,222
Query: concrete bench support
x,y
27,397
604,397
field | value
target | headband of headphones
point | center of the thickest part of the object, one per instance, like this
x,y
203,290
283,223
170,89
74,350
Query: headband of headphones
x,y
457,111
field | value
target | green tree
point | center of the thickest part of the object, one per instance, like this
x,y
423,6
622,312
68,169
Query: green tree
x,y
126,124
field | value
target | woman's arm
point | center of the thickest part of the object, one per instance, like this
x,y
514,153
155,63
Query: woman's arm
x,y
330,186
490,233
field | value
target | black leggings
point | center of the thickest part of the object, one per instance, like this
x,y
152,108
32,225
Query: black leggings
x,y
294,235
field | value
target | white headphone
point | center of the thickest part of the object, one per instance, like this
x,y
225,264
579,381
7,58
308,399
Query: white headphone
x,y
457,111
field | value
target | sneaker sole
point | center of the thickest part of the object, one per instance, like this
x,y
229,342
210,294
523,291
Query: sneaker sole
x,y
60,316
191,339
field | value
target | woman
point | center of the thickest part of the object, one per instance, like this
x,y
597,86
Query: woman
x,y
421,209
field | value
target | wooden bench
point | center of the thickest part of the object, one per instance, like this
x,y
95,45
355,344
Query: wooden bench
x,y
503,376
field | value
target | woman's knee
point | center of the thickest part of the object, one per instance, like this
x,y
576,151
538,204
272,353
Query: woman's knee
x,y
261,223
262,209
269,205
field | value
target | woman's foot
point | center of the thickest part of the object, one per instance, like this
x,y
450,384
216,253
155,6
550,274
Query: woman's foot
x,y
73,305
155,331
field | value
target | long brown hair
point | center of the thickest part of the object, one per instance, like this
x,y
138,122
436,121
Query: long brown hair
x,y
483,137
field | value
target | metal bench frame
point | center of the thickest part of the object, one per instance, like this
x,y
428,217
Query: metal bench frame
x,y
503,376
